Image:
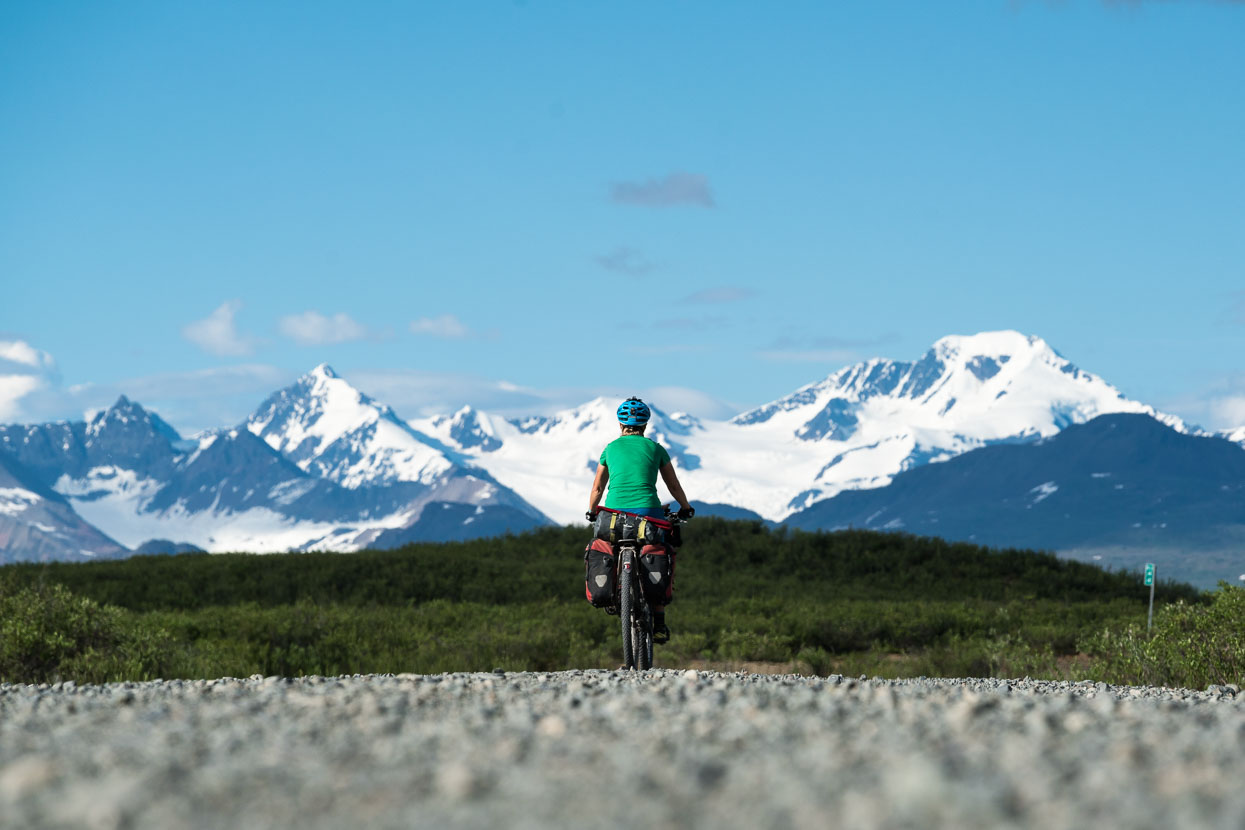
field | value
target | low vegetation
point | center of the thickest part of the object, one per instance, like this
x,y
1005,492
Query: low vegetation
x,y
852,602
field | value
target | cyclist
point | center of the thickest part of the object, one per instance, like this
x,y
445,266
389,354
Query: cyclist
x,y
629,465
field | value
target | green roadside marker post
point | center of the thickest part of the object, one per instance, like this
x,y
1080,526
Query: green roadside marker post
x,y
1150,569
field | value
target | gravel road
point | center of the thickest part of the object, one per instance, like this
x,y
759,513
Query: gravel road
x,y
594,749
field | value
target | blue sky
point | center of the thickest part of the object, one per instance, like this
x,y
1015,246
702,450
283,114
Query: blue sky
x,y
520,205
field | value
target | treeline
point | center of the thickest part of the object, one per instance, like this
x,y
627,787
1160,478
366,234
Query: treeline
x,y
853,602
722,559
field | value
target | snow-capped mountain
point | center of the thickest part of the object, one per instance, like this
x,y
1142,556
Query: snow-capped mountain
x,y
332,430
1121,489
355,476
551,460
37,524
855,429
319,465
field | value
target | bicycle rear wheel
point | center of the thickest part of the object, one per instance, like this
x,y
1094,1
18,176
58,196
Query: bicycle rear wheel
x,y
643,638
625,609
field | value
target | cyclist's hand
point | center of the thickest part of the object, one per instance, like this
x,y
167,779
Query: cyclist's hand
x,y
686,512
591,516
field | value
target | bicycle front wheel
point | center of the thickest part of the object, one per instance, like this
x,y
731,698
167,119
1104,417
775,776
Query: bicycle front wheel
x,y
625,609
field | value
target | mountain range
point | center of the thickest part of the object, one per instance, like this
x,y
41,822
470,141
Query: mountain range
x,y
320,465
1120,490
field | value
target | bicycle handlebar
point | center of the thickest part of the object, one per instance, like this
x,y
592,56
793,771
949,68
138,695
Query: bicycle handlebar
x,y
665,524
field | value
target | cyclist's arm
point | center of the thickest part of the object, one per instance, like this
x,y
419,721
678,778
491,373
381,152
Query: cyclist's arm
x,y
598,488
671,478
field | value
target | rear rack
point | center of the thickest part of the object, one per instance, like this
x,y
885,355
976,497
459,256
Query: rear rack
x,y
663,524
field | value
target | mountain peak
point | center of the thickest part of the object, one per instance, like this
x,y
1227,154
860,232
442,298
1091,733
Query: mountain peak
x,y
1004,342
127,433
122,409
125,411
332,430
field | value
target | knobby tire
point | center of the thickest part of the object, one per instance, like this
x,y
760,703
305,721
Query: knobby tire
x,y
625,575
644,638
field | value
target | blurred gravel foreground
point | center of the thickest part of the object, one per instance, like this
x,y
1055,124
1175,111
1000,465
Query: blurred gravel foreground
x,y
659,749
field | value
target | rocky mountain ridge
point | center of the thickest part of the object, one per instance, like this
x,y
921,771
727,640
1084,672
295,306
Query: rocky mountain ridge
x,y
321,465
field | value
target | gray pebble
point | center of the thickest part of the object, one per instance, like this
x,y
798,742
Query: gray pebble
x,y
619,749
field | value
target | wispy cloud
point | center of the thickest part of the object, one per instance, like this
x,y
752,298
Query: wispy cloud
x,y
1228,412
833,349
218,333
672,399
24,371
311,328
1218,406
659,349
13,388
415,393
18,354
675,189
200,399
446,325
626,261
834,342
224,396
704,323
834,356
720,294
31,391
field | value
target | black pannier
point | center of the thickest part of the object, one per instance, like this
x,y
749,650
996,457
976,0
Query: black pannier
x,y
656,572
619,527
600,571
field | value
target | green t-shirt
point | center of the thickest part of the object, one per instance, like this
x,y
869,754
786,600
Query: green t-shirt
x,y
633,462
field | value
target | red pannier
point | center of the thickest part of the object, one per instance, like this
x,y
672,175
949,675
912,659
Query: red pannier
x,y
657,573
600,572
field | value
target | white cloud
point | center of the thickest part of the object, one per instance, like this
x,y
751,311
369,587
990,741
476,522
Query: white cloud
x,y
12,389
224,396
311,328
25,373
673,399
218,334
1217,407
199,399
23,354
190,401
1228,412
413,393
447,325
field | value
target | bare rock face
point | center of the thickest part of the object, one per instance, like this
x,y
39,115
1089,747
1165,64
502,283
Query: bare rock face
x,y
619,749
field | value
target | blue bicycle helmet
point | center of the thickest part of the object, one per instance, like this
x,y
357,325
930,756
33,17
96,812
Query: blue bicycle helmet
x,y
633,412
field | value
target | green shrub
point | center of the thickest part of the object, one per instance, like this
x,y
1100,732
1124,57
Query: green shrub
x,y
851,602
1191,645
48,634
